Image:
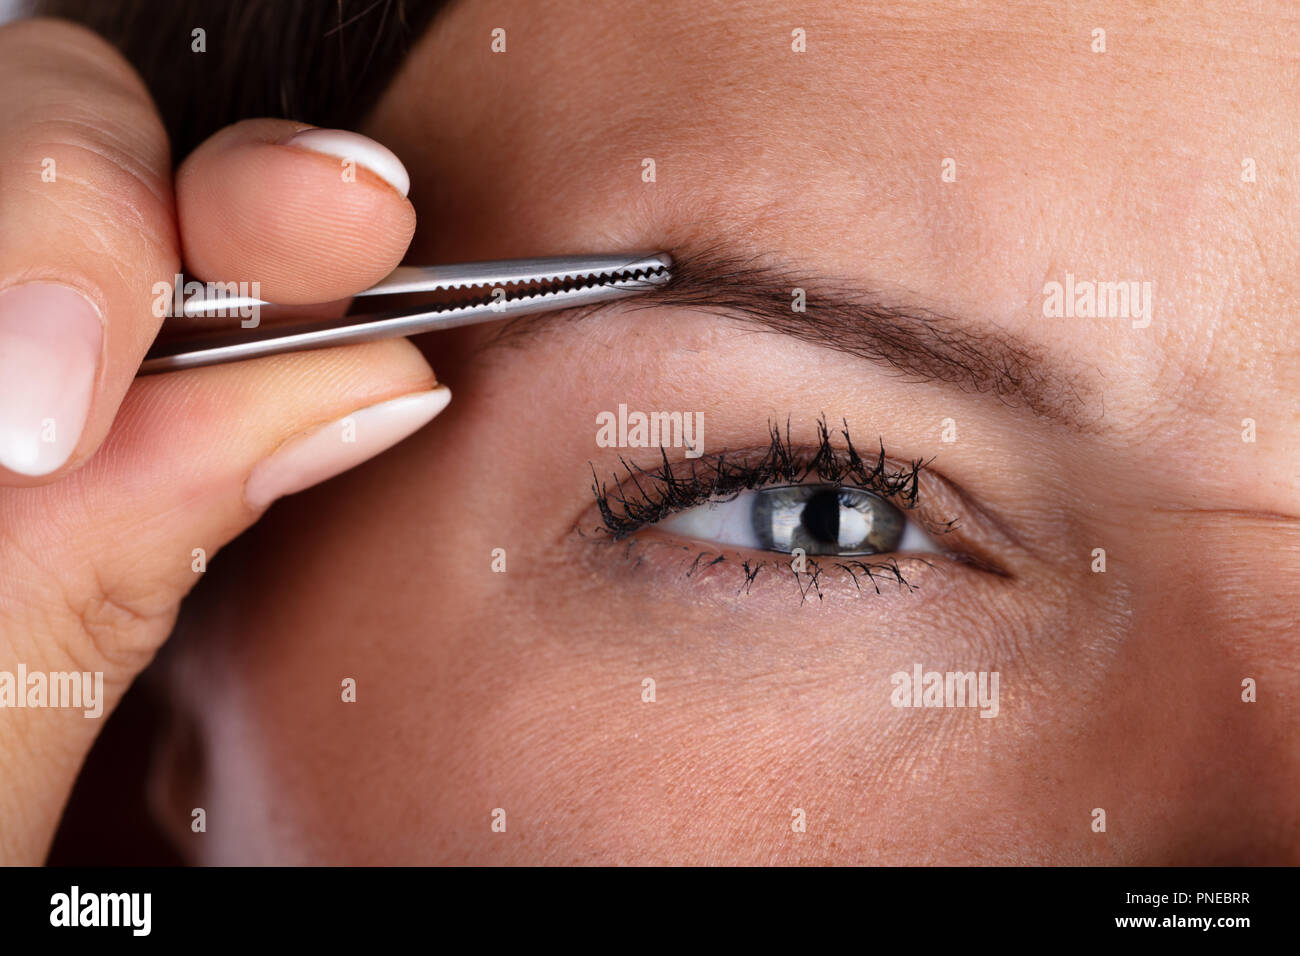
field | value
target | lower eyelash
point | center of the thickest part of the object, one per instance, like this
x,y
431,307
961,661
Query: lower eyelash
x,y
809,580
865,575
644,497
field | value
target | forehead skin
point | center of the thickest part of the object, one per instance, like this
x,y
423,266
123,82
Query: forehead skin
x,y
1121,690
1117,166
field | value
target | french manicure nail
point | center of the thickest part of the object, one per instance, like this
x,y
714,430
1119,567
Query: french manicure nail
x,y
362,150
51,337
331,449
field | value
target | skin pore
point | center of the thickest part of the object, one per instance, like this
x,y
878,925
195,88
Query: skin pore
x,y
523,690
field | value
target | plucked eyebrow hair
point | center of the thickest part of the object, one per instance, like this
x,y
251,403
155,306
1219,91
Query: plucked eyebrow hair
x,y
919,344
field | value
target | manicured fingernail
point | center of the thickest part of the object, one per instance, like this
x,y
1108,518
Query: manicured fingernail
x,y
50,341
362,150
324,452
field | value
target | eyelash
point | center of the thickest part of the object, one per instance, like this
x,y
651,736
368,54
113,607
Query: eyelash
x,y
642,497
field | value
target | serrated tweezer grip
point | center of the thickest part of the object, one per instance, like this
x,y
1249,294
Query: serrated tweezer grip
x,y
492,291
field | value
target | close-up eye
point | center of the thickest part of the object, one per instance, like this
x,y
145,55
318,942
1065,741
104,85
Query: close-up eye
x,y
819,519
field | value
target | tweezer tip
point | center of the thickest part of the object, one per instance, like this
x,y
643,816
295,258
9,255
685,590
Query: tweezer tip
x,y
657,265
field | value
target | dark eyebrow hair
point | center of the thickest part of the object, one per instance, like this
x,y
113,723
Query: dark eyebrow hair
x,y
922,345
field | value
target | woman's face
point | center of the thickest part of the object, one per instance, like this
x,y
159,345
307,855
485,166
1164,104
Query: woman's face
x,y
1126,546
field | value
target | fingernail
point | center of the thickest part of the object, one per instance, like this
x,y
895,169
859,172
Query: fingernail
x,y
362,150
50,341
332,449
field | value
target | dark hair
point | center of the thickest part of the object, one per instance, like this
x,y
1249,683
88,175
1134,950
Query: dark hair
x,y
323,62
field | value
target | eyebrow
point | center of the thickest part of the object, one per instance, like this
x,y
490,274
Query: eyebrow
x,y
920,344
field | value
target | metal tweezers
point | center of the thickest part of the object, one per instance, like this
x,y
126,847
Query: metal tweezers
x,y
469,293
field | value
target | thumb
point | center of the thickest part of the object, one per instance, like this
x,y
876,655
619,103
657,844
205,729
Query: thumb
x,y
93,567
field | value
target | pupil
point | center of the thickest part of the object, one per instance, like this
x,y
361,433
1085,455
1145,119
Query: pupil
x,y
821,516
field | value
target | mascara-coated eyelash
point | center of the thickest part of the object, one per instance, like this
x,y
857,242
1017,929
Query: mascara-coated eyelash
x,y
642,497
